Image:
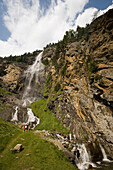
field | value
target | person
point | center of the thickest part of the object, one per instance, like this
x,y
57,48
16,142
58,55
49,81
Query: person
x,y
23,128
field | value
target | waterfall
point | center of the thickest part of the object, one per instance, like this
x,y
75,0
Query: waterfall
x,y
82,157
104,154
33,74
32,118
32,78
14,117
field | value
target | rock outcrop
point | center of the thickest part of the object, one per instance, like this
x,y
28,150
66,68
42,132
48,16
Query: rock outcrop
x,y
80,82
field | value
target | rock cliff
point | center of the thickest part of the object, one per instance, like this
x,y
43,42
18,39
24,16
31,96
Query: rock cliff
x,y
79,81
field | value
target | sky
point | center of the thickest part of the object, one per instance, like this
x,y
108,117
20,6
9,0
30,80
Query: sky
x,y
29,25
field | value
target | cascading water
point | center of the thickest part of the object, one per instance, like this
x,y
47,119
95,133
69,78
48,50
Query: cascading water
x,y
15,117
32,78
82,158
32,118
30,93
104,154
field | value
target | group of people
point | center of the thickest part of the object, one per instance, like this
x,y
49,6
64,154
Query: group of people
x,y
26,127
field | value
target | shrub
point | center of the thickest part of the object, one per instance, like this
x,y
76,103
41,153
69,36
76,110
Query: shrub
x,y
57,87
92,67
45,62
63,70
49,78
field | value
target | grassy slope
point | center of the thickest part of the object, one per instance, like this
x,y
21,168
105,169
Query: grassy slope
x,y
48,119
37,154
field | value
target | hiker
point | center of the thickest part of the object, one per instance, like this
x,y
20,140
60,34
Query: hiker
x,y
23,128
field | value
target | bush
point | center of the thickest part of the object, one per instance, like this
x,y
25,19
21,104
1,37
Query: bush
x,y
49,78
45,62
92,67
63,70
57,87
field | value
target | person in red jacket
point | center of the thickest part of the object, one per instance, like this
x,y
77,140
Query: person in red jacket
x,y
23,128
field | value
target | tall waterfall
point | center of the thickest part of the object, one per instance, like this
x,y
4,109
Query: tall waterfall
x,y
30,95
32,78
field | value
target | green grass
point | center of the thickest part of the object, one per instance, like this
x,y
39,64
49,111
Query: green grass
x,y
3,91
37,154
7,133
48,119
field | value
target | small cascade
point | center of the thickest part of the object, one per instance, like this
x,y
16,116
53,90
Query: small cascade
x,y
32,78
104,154
82,158
15,117
32,119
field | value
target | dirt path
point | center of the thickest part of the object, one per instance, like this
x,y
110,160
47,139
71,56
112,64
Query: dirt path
x,y
46,136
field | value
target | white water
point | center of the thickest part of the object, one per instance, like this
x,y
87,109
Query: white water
x,y
32,118
32,73
15,117
104,154
83,161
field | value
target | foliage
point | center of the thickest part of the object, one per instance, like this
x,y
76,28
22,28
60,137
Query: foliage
x,y
45,62
92,67
57,87
63,71
3,91
82,32
21,58
98,77
48,119
49,78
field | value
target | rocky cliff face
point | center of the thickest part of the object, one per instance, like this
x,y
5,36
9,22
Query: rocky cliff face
x,y
79,81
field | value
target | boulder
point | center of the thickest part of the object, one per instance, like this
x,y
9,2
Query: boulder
x,y
18,148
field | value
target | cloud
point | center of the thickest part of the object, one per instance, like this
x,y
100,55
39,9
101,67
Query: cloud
x,y
86,17
33,27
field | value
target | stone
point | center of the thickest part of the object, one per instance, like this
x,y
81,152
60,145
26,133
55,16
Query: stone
x,y
18,148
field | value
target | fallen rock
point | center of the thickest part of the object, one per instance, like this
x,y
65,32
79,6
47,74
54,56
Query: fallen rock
x,y
18,148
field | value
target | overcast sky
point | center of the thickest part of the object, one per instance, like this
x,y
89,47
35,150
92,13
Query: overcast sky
x,y
28,25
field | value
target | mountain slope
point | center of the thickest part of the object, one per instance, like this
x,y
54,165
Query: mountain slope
x,y
79,82
37,153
